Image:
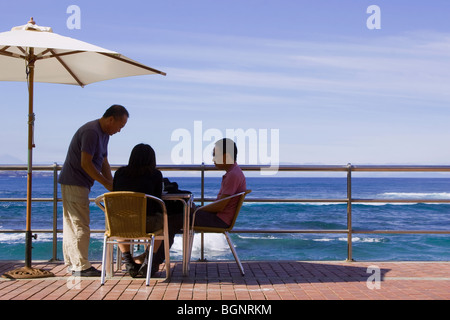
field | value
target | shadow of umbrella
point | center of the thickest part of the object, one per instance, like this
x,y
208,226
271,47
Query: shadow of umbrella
x,y
53,58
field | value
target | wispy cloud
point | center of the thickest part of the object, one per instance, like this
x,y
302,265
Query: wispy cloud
x,y
402,66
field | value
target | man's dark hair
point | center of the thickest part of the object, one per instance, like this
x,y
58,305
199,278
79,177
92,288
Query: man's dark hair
x,y
227,146
117,111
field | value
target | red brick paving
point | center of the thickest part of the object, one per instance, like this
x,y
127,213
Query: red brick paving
x,y
264,280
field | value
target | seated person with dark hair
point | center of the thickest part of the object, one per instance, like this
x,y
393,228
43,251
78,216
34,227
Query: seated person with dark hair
x,y
141,175
224,157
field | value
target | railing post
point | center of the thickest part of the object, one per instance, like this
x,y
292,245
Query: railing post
x,y
202,235
349,213
55,212
202,172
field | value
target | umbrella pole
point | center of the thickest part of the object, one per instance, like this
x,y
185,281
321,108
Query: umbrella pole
x,y
28,235
27,271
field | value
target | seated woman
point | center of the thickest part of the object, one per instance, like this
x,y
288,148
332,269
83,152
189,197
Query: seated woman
x,y
141,175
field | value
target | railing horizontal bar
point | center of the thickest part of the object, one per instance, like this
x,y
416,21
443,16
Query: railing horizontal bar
x,y
401,200
44,231
33,231
195,167
276,200
286,231
402,231
272,231
24,168
286,200
375,168
24,199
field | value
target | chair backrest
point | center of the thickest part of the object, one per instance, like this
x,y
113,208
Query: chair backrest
x,y
125,214
238,207
218,206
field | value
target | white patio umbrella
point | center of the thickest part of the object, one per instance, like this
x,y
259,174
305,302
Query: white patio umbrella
x,y
35,54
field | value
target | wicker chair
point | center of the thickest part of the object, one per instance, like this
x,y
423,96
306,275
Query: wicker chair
x,y
125,221
215,207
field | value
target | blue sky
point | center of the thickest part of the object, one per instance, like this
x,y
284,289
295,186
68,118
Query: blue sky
x,y
336,91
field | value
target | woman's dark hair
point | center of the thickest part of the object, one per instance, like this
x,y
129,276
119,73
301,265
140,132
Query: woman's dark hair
x,y
142,160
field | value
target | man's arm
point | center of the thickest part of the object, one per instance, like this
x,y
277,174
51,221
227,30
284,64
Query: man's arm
x,y
106,170
104,177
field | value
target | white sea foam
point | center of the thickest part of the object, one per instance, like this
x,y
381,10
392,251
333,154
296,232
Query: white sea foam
x,y
375,204
97,236
254,237
408,196
15,238
215,246
354,239
416,195
12,238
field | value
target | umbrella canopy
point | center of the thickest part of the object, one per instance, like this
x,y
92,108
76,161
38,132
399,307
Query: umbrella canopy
x,y
53,58
61,59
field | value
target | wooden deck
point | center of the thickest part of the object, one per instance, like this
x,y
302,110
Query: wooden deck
x,y
264,280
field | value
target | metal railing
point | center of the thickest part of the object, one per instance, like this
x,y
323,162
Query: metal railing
x,y
349,200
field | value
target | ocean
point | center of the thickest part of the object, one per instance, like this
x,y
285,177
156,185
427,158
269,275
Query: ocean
x,y
271,215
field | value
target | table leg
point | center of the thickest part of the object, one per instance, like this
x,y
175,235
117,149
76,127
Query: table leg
x,y
186,239
186,236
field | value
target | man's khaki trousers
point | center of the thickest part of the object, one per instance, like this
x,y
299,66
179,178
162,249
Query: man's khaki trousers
x,y
76,231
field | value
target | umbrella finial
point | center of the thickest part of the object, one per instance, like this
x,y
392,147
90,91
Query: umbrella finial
x,y
31,26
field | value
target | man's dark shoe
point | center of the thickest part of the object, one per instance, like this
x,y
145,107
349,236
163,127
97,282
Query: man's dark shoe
x,y
90,272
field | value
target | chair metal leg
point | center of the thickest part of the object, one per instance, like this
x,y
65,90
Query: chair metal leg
x,y
230,243
109,259
167,258
202,246
118,259
191,243
149,261
104,260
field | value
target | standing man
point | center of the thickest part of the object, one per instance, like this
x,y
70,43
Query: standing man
x,y
85,163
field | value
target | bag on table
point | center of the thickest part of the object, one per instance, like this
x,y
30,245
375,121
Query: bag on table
x,y
173,206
